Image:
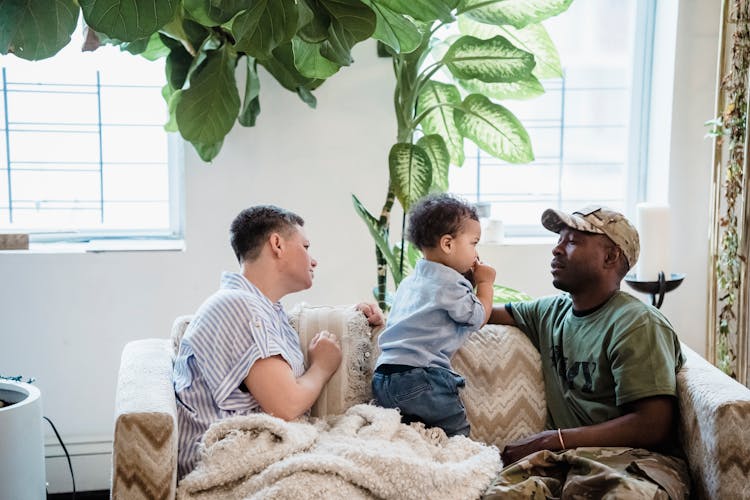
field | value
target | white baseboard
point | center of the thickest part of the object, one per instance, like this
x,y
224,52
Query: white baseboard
x,y
91,457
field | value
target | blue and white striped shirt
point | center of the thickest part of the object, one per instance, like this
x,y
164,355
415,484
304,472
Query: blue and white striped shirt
x,y
232,329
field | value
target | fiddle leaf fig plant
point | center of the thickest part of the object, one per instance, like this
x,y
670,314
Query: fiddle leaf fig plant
x,y
300,43
471,55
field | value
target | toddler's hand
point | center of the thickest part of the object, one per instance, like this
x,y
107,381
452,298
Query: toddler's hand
x,y
483,273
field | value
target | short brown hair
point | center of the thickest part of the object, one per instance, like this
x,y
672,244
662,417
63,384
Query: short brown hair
x,y
253,225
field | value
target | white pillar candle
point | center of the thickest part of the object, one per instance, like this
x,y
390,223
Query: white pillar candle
x,y
653,229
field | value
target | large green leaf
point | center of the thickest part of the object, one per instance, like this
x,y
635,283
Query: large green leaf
x,y
208,108
435,147
281,66
128,20
187,32
411,256
208,152
214,12
309,62
423,10
518,13
440,99
379,236
493,60
532,38
503,295
351,22
411,172
177,66
313,21
265,26
494,129
393,29
527,88
36,29
251,103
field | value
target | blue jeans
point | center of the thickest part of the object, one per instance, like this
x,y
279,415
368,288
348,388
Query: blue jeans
x,y
428,395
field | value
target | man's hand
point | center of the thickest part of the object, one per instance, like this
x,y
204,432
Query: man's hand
x,y
325,352
546,440
372,312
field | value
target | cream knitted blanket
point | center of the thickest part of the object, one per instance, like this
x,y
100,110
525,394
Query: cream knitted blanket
x,y
365,453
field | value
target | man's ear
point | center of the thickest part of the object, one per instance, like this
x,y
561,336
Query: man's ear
x,y
276,242
446,243
613,256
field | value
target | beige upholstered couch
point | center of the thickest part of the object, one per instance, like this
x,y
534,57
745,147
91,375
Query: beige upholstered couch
x,y
504,399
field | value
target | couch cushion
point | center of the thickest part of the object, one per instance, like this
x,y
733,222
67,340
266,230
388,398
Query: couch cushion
x,y
714,428
504,393
350,385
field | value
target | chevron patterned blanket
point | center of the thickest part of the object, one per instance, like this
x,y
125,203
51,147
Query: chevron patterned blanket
x,y
365,453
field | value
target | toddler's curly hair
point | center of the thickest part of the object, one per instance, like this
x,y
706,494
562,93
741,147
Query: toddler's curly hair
x,y
436,215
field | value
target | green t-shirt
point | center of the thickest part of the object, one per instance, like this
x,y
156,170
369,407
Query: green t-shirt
x,y
594,364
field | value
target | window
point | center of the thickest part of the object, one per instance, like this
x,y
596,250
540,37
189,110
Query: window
x,y
585,129
83,151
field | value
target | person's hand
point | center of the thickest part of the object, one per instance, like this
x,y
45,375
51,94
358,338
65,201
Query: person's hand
x,y
483,273
325,352
545,440
372,312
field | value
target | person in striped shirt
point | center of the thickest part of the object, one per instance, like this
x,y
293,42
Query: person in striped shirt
x,y
239,354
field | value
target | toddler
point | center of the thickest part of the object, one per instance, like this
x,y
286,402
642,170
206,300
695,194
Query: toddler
x,y
434,311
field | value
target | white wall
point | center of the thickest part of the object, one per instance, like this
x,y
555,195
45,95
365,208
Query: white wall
x,y
64,318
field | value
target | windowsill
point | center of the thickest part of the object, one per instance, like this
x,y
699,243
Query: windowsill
x,y
102,246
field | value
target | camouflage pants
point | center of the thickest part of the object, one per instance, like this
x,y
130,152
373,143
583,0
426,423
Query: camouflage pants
x,y
612,473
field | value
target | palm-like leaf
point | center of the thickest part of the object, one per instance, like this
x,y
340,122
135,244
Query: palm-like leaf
x,y
492,60
435,147
440,99
379,236
532,38
411,172
518,13
526,88
494,129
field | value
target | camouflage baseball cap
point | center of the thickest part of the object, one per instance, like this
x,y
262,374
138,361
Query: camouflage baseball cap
x,y
599,220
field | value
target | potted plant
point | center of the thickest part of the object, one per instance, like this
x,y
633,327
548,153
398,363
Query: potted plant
x,y
453,62
22,472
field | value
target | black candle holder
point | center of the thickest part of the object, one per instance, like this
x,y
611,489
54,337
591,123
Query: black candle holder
x,y
657,288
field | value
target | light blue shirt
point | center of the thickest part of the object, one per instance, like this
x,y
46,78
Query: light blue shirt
x,y
231,330
434,311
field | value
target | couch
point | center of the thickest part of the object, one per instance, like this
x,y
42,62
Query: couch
x,y
504,399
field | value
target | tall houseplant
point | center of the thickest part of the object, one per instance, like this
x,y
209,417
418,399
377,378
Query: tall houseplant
x,y
299,42
447,90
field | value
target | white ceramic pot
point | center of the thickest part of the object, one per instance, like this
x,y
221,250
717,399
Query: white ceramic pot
x,y
21,442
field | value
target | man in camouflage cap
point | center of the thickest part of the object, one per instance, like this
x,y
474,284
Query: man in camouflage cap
x,y
609,362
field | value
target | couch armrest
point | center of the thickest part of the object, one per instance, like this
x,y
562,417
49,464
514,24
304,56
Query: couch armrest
x,y
144,455
714,428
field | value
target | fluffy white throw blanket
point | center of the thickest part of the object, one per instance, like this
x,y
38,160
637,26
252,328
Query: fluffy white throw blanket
x,y
365,453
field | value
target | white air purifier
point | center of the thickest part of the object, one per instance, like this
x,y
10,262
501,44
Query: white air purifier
x,y
21,442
